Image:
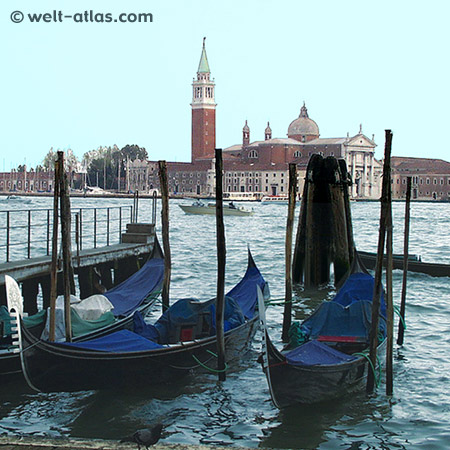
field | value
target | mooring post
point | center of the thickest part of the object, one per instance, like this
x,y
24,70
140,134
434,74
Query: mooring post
x,y
69,284
373,337
346,183
401,326
389,302
288,252
165,232
318,225
340,249
54,265
221,260
298,264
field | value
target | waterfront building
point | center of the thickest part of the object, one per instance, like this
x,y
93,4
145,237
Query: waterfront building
x,y
26,181
430,178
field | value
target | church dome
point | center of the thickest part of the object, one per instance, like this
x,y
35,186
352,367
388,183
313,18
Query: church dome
x,y
303,128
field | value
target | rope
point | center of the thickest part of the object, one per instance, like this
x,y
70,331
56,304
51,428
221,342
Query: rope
x,y
397,311
280,302
210,368
377,377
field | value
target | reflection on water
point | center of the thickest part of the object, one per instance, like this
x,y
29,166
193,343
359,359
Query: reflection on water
x,y
238,412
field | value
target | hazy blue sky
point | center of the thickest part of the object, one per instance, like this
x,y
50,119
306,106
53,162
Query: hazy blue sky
x,y
384,64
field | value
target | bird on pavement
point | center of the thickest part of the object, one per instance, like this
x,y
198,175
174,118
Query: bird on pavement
x,y
146,436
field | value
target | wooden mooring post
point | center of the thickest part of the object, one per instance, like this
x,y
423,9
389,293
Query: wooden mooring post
x,y
373,336
69,283
165,233
54,263
324,234
287,314
401,326
221,261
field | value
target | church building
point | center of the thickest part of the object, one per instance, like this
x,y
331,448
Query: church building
x,y
256,167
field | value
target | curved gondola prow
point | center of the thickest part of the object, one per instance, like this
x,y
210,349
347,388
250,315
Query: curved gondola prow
x,y
250,265
357,266
265,343
15,308
157,251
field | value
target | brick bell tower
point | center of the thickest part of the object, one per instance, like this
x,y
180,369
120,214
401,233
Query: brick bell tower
x,y
203,112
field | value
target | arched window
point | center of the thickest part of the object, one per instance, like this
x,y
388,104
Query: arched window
x,y
297,154
253,154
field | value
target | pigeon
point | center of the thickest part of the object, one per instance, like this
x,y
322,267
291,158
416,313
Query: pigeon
x,y
146,436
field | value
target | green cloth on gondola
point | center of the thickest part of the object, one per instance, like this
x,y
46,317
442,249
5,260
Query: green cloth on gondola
x,y
80,326
35,319
5,319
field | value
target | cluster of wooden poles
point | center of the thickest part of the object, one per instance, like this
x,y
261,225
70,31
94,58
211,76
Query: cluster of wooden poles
x,y
325,237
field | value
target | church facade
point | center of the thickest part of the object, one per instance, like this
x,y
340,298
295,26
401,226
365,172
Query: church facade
x,y
256,167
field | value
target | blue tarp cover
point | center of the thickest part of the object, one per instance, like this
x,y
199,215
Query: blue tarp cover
x,y
314,353
131,293
348,314
333,319
187,311
118,342
359,286
240,304
245,291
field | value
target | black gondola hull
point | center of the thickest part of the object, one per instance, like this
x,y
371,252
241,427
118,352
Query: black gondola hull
x,y
292,384
56,368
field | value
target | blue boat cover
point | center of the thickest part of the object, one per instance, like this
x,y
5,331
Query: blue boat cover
x,y
313,353
188,312
122,341
131,293
240,304
349,314
245,294
359,286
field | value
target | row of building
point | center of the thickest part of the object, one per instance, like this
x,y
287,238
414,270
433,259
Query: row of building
x,y
260,167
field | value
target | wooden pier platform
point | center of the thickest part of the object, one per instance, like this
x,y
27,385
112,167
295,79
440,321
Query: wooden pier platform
x,y
34,267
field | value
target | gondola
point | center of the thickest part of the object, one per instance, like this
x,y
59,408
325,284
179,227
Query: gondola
x,y
182,339
331,361
415,264
137,293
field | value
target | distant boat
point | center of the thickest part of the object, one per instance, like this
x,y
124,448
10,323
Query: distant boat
x,y
279,199
242,196
415,264
210,209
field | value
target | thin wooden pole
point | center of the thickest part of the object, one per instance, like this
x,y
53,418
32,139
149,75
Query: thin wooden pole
x,y
373,337
54,265
221,260
288,252
66,245
389,304
401,327
165,233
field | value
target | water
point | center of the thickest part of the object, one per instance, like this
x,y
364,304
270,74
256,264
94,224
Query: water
x,y
239,412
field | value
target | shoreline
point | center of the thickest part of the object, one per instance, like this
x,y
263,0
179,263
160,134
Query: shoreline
x,y
181,197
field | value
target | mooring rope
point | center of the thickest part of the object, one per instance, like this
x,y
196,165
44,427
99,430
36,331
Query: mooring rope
x,y
210,368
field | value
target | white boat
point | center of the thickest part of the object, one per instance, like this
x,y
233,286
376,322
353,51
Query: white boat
x,y
228,209
242,196
279,199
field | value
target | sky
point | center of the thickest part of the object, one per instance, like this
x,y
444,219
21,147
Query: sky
x,y
67,84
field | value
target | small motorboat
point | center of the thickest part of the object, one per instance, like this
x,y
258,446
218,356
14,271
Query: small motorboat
x,y
230,209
